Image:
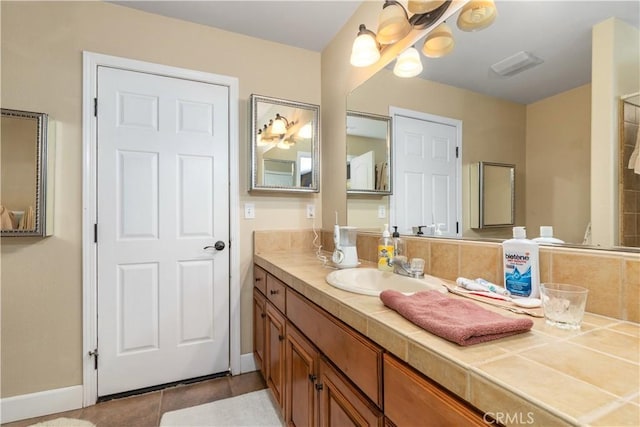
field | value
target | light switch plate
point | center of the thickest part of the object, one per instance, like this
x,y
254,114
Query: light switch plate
x,y
311,211
382,211
249,211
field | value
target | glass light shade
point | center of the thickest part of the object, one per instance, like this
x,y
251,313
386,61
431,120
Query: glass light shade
x,y
306,131
393,24
408,63
424,6
283,145
261,142
439,42
364,51
279,126
476,15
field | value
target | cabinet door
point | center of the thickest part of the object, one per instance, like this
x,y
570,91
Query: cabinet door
x,y
301,377
341,404
274,351
408,397
259,324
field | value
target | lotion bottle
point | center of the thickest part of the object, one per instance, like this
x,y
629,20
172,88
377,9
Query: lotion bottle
x,y
521,265
385,250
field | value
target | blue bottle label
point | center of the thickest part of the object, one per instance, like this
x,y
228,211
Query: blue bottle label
x,y
517,274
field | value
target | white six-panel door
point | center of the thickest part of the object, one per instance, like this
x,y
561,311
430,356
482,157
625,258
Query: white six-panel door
x,y
426,175
163,196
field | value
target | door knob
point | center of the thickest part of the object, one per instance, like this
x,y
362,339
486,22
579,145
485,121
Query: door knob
x,y
218,246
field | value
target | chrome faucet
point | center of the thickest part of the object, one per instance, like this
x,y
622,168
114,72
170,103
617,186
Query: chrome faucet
x,y
403,267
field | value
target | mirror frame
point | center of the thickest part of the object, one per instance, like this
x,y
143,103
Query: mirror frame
x,y
389,153
41,228
315,145
481,205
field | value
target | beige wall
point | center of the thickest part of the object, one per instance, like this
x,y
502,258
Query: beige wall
x,y
493,130
614,62
558,159
42,46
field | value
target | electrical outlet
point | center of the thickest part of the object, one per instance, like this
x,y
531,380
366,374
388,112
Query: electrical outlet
x,y
382,211
311,211
249,211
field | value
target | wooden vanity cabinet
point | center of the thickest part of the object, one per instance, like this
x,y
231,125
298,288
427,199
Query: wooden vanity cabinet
x,y
301,378
341,404
275,352
411,399
259,329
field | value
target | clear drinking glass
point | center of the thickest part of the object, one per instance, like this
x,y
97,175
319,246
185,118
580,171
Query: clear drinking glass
x,y
563,305
417,267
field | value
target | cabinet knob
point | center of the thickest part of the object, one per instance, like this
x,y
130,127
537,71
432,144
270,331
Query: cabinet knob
x,y
312,378
263,315
319,387
280,337
274,291
258,279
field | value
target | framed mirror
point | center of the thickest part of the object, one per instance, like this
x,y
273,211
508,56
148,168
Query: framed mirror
x,y
368,154
26,201
285,141
493,193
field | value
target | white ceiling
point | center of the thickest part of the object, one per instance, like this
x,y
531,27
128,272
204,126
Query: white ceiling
x,y
559,32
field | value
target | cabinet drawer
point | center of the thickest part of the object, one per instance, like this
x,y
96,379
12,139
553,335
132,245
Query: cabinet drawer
x,y
358,358
276,291
409,396
260,279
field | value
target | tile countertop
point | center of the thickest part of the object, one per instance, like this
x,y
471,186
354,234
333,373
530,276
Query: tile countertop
x,y
544,377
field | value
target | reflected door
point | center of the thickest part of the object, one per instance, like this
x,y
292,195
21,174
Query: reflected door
x,y
426,176
163,299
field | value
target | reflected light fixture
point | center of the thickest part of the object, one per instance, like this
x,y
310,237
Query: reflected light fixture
x,y
393,23
275,133
306,131
424,6
476,15
365,50
408,63
438,42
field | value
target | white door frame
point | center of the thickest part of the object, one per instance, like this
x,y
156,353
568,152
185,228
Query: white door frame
x,y
91,61
419,115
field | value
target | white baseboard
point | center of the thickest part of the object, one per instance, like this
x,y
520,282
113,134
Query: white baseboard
x,y
247,363
41,403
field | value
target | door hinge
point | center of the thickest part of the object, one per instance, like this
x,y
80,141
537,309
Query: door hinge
x,y
457,152
95,107
95,233
457,227
94,353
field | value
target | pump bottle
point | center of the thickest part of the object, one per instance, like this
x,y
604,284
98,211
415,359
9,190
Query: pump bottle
x,y
398,243
385,250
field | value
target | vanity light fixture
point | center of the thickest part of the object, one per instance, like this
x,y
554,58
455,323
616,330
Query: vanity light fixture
x,y
476,15
438,42
408,63
274,133
394,24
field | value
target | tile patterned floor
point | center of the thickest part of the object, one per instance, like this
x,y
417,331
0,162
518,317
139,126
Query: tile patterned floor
x,y
145,410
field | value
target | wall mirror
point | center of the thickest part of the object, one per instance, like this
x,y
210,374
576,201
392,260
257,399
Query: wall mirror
x,y
368,153
284,145
534,135
493,193
26,173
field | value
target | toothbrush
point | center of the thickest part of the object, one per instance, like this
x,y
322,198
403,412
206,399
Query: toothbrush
x,y
493,287
482,286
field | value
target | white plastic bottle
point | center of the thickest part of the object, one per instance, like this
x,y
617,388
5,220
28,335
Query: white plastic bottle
x,y
521,265
546,235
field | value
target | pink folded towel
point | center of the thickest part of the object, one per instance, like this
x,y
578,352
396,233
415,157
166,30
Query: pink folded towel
x,y
463,322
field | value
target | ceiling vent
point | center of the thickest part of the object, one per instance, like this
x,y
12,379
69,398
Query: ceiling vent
x,y
515,64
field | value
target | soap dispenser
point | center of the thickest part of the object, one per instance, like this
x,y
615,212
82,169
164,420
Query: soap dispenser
x,y
398,243
385,250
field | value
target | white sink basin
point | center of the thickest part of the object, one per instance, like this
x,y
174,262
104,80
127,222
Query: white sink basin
x,y
370,281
